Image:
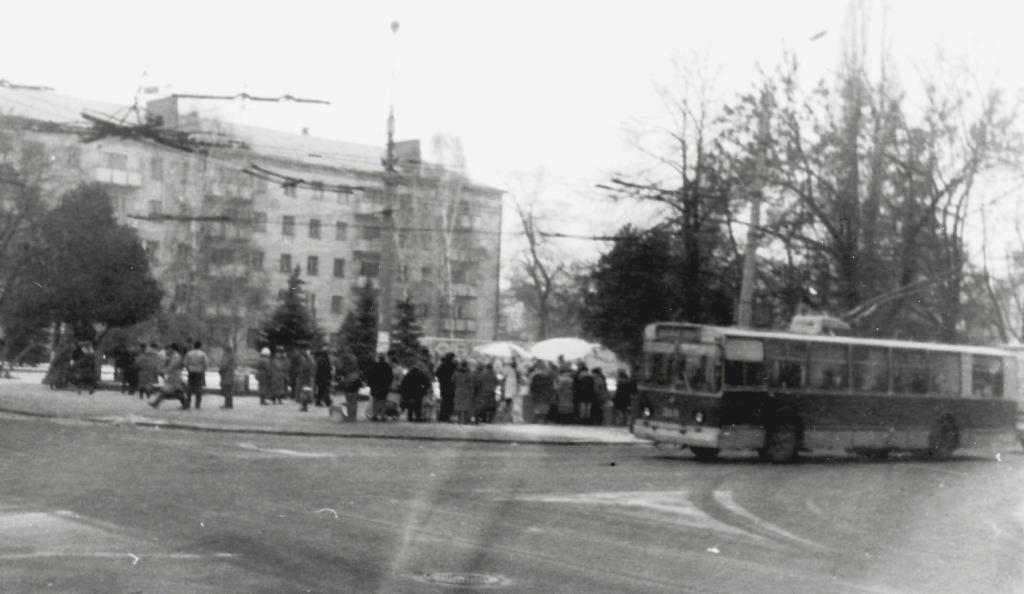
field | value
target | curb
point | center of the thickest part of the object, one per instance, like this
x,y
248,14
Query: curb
x,y
297,433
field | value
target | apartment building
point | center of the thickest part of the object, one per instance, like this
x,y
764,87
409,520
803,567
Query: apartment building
x,y
226,223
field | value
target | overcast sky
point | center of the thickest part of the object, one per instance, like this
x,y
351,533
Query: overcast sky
x,y
524,84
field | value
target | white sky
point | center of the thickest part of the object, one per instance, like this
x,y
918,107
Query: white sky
x,y
525,84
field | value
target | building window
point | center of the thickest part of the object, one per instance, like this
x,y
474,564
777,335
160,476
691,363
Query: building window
x,y
288,226
370,231
286,263
260,221
342,196
369,268
339,268
311,302
155,207
184,250
318,190
289,190
426,272
156,169
314,228
336,304
256,260
341,231
74,156
116,161
312,265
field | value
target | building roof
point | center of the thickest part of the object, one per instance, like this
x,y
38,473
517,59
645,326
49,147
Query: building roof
x,y
42,104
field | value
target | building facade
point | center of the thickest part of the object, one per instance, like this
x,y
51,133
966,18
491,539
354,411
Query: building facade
x,y
226,212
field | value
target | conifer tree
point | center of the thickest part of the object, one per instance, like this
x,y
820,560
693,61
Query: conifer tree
x,y
358,333
291,324
405,336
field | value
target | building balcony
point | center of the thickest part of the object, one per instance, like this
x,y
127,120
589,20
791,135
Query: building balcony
x,y
461,290
117,177
361,281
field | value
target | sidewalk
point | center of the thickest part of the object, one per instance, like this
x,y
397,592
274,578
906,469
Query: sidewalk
x,y
25,395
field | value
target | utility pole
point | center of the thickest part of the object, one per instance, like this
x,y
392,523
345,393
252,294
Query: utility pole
x,y
744,313
389,256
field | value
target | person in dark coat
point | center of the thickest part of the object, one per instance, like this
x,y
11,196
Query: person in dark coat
x,y
324,375
625,393
583,394
148,368
351,381
597,416
379,378
542,392
462,401
264,376
446,380
484,389
83,366
413,388
227,376
279,377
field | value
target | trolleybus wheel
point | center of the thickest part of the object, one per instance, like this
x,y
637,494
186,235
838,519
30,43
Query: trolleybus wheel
x,y
704,454
943,439
782,440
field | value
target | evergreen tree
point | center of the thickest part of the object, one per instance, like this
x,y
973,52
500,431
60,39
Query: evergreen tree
x,y
291,324
357,336
405,336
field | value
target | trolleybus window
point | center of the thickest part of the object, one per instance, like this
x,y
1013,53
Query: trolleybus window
x,y
945,374
909,371
870,369
829,367
787,363
658,368
987,377
744,363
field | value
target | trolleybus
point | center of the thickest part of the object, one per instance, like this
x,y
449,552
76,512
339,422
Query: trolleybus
x,y
712,388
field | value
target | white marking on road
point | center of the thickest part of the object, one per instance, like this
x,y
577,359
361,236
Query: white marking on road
x,y
285,452
675,504
814,509
110,555
726,500
327,509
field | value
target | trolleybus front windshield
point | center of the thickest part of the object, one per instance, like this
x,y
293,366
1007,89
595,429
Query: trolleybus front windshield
x,y
688,367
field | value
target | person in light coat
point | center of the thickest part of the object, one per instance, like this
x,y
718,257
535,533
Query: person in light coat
x,y
511,384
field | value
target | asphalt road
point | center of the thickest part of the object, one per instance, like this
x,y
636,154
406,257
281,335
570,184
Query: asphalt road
x,y
124,509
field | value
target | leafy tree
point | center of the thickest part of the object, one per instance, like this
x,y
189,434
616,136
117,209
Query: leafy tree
x,y
358,334
88,272
291,324
638,282
406,333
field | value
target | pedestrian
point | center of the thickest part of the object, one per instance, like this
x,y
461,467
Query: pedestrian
x,y
60,368
83,366
597,409
172,386
582,394
446,382
485,388
123,363
625,392
279,378
379,378
563,404
148,371
264,376
352,380
196,363
413,389
542,392
462,386
305,378
510,391
227,376
324,375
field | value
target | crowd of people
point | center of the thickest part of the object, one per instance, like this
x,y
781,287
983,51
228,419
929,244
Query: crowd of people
x,y
422,386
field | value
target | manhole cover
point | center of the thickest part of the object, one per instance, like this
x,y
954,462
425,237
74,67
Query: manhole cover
x,y
475,580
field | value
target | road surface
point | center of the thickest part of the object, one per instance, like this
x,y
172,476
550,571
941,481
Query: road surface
x,y
86,508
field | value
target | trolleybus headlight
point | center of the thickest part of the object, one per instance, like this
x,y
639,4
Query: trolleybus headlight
x,y
646,412
698,417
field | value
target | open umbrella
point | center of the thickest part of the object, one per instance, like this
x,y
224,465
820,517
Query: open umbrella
x,y
502,350
569,349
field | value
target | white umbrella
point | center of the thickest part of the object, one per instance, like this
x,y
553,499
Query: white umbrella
x,y
569,349
502,350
